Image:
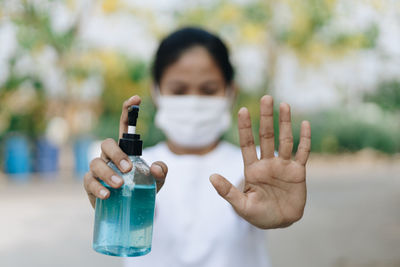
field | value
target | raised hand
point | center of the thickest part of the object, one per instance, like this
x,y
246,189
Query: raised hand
x,y
274,192
110,151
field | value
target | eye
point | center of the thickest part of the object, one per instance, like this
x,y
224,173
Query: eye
x,y
180,90
209,90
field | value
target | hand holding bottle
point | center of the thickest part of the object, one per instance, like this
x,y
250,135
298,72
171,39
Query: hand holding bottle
x,y
274,192
112,152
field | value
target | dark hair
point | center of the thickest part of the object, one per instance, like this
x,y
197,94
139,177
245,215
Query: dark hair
x,y
172,47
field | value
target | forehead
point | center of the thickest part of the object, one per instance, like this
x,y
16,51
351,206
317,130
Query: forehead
x,y
194,65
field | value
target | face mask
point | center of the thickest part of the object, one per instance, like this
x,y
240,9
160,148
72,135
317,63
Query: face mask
x,y
191,120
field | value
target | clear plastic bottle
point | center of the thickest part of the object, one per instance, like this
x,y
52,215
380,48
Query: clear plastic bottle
x,y
124,221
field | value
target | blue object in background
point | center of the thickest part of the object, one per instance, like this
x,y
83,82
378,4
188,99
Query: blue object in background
x,y
81,153
47,155
17,158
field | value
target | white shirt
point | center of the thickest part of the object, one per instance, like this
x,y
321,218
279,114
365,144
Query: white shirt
x,y
193,225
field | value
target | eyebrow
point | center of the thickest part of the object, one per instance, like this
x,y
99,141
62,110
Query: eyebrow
x,y
211,83
176,83
179,83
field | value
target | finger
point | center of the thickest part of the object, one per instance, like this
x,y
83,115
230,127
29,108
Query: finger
x,y
230,193
246,138
112,151
123,122
104,157
285,132
267,140
101,170
94,188
303,150
159,170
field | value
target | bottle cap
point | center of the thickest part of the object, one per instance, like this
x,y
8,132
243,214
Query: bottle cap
x,y
130,142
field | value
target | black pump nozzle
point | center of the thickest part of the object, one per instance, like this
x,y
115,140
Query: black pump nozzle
x,y
130,142
133,113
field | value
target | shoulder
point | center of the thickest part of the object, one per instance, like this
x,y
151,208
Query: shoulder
x,y
157,147
234,150
228,162
155,152
227,147
229,153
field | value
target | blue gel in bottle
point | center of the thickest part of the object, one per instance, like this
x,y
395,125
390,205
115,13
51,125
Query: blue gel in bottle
x,y
124,222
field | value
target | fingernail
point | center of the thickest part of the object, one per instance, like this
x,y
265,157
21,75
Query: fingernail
x,y
103,193
158,168
116,180
212,177
132,97
124,165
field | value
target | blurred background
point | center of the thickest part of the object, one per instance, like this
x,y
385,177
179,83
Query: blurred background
x,y
67,66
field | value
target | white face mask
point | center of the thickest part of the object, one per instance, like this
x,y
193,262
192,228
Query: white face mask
x,y
191,120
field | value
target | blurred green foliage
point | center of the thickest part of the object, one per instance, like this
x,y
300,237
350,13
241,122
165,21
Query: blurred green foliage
x,y
34,32
387,96
34,29
19,116
340,130
333,131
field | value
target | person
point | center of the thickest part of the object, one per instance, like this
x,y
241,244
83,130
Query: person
x,y
193,91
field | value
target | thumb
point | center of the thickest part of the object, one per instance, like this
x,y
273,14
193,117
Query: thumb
x,y
159,171
229,192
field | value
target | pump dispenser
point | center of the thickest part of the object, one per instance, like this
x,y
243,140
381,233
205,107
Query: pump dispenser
x,y
124,222
130,142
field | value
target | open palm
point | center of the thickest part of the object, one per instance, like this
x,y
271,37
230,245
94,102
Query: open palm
x,y
274,193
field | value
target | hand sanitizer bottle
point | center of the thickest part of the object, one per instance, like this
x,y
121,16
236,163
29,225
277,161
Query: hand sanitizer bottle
x,y
123,223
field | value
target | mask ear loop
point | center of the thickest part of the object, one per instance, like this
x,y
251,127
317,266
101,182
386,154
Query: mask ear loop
x,y
155,95
230,94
